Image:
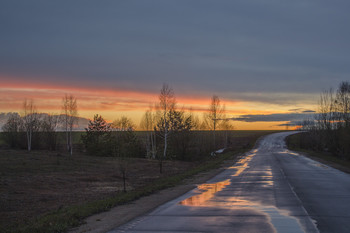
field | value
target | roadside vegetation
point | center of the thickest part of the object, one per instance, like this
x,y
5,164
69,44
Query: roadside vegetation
x,y
327,134
53,177
48,191
296,142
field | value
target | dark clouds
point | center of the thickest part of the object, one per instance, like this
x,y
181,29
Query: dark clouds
x,y
295,117
293,47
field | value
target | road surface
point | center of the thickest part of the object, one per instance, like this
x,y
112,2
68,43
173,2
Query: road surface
x,y
270,189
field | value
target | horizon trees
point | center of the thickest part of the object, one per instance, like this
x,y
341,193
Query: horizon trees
x,y
330,130
39,130
12,129
123,123
168,128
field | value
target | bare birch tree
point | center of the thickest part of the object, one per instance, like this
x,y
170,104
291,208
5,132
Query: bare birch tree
x,y
148,124
167,103
215,113
70,114
30,121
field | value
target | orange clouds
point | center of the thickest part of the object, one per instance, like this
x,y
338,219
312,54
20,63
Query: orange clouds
x,y
48,97
112,103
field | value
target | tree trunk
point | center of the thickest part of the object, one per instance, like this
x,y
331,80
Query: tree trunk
x,y
29,140
161,166
165,144
214,135
154,146
70,143
124,181
67,137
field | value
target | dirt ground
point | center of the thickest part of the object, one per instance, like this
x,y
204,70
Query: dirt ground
x,y
35,183
119,215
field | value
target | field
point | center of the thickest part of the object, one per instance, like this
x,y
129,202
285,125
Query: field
x,y
296,142
36,183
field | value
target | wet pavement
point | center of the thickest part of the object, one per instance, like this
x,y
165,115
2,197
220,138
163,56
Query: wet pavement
x,y
270,189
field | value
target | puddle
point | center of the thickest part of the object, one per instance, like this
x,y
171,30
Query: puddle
x,y
289,152
208,191
280,219
320,165
242,164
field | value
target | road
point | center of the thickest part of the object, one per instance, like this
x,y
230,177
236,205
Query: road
x,y
270,189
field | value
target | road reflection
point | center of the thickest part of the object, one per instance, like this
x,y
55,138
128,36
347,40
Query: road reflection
x,y
242,164
242,204
208,191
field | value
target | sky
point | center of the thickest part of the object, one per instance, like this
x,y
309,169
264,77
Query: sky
x,y
268,61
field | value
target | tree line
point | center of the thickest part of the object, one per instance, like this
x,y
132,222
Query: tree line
x,y
36,130
329,130
168,130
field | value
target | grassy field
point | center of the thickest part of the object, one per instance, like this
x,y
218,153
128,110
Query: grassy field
x,y
47,191
293,143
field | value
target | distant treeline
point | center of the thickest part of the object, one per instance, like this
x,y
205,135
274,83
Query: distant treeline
x,y
329,131
168,131
192,146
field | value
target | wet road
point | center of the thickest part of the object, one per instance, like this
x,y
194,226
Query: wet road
x,y
270,189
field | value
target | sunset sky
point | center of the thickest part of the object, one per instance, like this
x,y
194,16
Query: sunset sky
x,y
268,61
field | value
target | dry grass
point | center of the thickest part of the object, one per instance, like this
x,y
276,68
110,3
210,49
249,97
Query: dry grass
x,y
73,187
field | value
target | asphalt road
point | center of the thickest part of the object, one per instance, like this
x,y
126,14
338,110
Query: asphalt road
x,y
270,189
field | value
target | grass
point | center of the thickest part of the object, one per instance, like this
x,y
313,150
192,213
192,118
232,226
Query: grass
x,y
54,170
65,218
293,143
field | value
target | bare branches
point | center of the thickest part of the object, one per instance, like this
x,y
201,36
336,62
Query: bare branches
x,y
148,123
215,113
70,113
30,121
123,124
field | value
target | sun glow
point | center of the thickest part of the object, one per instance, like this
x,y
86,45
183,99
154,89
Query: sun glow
x,y
113,103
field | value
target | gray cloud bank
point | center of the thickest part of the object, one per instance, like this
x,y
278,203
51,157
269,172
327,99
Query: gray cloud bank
x,y
198,46
292,118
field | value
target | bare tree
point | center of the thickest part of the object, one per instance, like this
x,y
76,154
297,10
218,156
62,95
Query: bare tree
x,y
167,103
123,124
30,121
342,104
148,124
327,111
70,114
215,113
